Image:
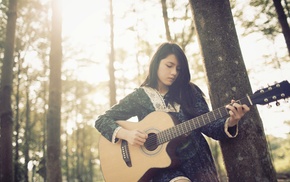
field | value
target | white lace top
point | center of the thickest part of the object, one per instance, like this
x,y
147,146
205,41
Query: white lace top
x,y
158,101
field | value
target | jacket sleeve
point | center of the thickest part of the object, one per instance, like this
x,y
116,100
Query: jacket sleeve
x,y
125,109
218,129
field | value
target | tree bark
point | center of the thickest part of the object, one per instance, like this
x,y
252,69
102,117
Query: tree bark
x,y
283,22
246,157
53,163
6,114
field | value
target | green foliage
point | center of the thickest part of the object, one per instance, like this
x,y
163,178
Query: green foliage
x,y
260,16
280,149
81,159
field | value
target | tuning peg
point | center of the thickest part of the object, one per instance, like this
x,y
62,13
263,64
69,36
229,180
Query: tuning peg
x,y
277,103
269,106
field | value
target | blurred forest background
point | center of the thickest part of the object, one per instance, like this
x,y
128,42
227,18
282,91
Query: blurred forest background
x,y
93,78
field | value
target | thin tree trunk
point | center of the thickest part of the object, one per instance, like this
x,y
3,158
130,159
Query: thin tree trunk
x,y
42,171
283,22
54,111
26,136
112,59
166,20
79,175
67,157
17,125
246,157
6,115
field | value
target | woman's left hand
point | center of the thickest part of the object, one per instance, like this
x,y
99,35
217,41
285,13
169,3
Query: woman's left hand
x,y
236,112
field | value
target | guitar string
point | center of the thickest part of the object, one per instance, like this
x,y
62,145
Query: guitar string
x,y
185,127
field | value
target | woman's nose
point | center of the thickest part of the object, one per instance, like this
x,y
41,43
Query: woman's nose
x,y
174,71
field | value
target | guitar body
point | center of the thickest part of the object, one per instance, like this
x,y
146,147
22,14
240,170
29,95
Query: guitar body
x,y
143,162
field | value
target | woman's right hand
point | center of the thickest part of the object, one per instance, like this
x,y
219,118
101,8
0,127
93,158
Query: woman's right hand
x,y
133,137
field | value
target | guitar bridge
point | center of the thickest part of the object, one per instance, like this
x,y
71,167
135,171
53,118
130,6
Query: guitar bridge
x,y
126,153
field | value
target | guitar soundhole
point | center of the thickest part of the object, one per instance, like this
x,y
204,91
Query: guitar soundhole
x,y
151,142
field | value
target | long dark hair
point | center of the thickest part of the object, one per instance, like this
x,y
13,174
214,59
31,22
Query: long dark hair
x,y
182,91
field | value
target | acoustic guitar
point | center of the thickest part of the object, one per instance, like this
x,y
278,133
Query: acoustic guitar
x,y
124,162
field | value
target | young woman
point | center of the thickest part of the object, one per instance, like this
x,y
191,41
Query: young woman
x,y
168,88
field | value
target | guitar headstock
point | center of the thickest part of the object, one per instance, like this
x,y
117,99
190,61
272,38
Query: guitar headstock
x,y
271,93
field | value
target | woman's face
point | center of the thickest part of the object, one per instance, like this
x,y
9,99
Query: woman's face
x,y
168,71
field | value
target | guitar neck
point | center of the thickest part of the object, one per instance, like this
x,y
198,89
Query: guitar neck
x,y
192,124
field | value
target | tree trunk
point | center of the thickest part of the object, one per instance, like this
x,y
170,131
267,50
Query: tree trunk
x,y
17,124
54,111
246,157
112,59
166,20
283,22
27,136
6,116
67,157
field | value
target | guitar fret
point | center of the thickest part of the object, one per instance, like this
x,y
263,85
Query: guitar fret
x,y
183,128
211,116
178,130
214,115
174,133
162,136
203,119
207,117
159,138
193,121
169,134
198,123
189,126
166,135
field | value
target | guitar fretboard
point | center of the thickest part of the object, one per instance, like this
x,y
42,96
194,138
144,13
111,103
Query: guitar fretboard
x,y
192,124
